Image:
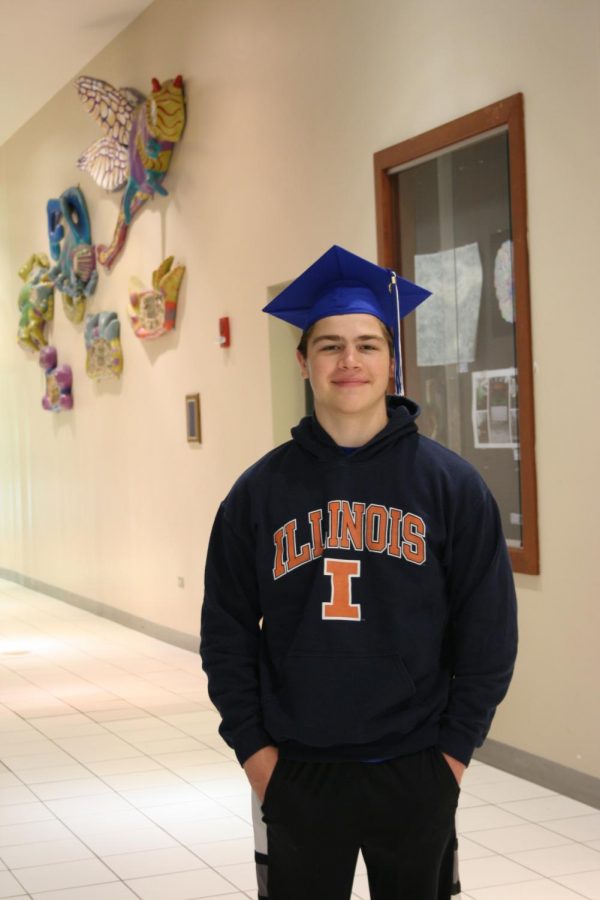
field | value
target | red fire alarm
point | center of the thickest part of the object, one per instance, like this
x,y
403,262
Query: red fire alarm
x,y
224,332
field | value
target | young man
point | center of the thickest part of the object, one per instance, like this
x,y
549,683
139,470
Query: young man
x,y
359,624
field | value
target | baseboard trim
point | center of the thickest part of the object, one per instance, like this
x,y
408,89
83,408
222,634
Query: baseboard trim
x,y
545,772
137,623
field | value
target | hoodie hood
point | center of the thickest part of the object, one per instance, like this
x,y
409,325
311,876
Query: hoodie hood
x,y
314,440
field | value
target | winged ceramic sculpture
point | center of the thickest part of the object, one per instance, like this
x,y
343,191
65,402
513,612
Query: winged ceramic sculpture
x,y
135,151
36,302
153,312
69,232
59,380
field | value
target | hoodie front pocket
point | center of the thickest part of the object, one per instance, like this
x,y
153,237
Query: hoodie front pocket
x,y
342,699
271,783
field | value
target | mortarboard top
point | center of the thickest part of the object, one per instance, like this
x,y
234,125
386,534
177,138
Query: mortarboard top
x,y
341,283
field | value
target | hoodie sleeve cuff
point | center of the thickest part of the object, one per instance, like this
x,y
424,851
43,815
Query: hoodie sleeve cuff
x,y
455,744
250,741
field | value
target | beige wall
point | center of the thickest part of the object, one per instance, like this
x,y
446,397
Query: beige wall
x,y
287,101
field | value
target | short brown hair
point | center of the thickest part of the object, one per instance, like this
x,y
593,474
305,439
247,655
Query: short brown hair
x,y
303,344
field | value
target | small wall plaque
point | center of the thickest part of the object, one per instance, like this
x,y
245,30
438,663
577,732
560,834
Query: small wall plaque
x,y
192,416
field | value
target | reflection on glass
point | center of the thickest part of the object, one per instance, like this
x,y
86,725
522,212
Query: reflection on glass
x,y
454,225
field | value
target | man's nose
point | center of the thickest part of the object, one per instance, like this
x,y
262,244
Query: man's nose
x,y
348,359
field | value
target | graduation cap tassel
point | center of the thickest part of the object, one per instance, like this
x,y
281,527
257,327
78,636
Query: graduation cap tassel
x,y
398,376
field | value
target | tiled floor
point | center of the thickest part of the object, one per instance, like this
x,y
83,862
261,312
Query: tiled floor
x,y
114,783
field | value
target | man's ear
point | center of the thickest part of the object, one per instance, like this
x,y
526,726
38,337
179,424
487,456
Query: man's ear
x,y
302,364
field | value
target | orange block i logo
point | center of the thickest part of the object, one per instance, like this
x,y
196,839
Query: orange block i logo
x,y
340,606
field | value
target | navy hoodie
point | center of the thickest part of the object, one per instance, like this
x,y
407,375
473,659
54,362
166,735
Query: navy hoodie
x,y
358,605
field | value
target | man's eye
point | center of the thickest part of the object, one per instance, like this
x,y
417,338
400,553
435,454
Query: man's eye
x,y
330,347
368,347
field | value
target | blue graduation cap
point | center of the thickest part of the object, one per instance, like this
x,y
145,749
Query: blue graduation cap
x,y
340,283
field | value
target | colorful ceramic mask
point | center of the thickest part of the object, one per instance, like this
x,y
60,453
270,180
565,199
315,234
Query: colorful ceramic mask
x,y
36,302
103,345
136,150
69,233
153,312
59,380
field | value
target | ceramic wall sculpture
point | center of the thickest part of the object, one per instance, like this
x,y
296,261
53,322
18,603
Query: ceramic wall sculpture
x,y
153,312
36,302
103,345
136,150
59,381
69,233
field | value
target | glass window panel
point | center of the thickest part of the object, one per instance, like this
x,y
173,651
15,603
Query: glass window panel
x,y
454,237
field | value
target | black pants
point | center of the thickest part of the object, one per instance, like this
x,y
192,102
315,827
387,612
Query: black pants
x,y
399,813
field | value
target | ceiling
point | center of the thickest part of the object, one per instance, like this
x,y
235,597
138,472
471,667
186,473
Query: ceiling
x,y
44,43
